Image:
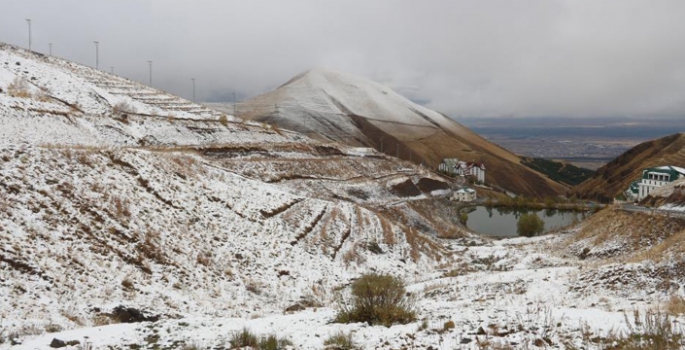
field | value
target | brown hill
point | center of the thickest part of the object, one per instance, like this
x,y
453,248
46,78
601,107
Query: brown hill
x,y
338,107
612,179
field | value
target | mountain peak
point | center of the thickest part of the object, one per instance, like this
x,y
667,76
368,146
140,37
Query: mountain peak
x,y
334,106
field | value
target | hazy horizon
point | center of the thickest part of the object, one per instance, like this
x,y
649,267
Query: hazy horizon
x,y
467,59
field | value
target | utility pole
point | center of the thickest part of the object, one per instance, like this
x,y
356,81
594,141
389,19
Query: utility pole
x,y
193,80
50,45
150,77
97,54
29,22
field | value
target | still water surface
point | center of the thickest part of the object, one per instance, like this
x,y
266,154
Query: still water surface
x,y
501,222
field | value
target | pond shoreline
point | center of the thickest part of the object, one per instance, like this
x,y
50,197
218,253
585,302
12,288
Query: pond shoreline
x,y
501,221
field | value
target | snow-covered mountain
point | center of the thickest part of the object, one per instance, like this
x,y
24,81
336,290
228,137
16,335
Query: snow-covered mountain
x,y
329,105
113,193
114,199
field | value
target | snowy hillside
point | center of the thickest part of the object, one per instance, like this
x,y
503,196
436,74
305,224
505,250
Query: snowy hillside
x,y
329,105
47,100
113,193
120,203
189,237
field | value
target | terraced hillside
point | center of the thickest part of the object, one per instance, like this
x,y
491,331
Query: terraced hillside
x,y
113,193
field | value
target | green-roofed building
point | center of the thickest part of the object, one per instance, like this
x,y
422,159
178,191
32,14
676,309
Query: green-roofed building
x,y
654,178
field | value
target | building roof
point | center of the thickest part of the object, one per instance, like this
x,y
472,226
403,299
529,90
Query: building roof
x,y
674,171
466,190
634,187
450,161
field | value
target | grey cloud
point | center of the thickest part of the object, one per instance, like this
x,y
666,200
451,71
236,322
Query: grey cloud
x,y
464,58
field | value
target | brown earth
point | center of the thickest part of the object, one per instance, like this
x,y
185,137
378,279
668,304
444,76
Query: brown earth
x,y
612,179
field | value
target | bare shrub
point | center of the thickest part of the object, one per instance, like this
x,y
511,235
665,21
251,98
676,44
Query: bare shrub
x,y
124,108
273,342
340,341
127,283
246,339
223,120
650,331
243,339
53,328
378,299
19,87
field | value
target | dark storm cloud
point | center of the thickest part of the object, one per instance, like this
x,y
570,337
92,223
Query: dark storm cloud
x,y
465,58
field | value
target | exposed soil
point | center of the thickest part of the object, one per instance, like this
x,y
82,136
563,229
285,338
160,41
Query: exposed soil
x,y
428,185
405,189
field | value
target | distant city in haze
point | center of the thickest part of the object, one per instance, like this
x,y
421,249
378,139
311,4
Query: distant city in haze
x,y
586,142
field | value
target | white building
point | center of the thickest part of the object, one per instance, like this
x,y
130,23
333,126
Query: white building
x,y
453,166
464,195
655,177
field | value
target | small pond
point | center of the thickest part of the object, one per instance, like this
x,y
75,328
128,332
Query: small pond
x,y
501,222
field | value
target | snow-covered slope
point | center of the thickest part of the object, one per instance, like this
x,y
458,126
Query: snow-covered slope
x,y
189,236
48,100
113,193
336,106
61,84
209,225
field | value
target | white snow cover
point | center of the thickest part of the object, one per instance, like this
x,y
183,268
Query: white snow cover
x,y
113,193
516,293
321,100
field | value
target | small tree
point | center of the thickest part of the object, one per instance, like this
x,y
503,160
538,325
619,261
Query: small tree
x,y
530,225
378,299
463,218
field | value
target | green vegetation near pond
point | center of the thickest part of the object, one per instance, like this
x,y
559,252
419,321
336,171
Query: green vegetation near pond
x,y
561,172
521,203
530,225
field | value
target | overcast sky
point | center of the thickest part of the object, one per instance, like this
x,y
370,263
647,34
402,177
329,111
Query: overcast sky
x,y
464,58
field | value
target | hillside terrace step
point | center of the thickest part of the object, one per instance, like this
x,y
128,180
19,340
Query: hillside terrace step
x,y
160,101
179,108
168,103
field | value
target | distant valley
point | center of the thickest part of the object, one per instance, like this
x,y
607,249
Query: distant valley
x,y
587,143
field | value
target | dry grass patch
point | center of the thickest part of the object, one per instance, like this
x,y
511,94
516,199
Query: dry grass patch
x,y
19,87
388,233
340,341
675,305
635,236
